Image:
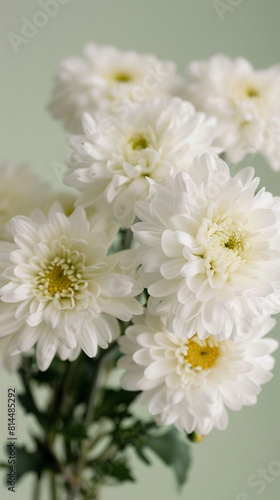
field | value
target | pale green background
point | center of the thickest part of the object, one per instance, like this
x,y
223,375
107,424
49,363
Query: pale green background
x,y
181,30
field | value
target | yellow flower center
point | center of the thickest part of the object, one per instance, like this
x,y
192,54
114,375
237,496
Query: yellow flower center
x,y
58,280
138,142
230,236
252,92
122,77
235,243
202,355
246,90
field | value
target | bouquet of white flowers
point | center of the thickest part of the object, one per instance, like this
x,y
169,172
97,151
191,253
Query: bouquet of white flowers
x,y
165,265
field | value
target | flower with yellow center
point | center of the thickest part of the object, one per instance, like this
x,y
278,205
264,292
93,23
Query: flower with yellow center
x,y
60,288
190,382
210,250
245,102
111,80
115,160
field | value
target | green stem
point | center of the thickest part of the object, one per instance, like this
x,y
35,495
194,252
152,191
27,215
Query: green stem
x,y
57,403
67,390
109,452
53,487
73,493
68,451
37,487
25,379
92,395
99,362
128,239
96,440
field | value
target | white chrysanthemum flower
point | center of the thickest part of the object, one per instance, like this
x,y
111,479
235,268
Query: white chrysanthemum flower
x,y
59,287
191,382
108,79
161,137
245,101
211,249
21,191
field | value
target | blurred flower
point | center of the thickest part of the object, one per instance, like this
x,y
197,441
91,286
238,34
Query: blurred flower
x,y
210,250
160,137
190,382
245,101
11,363
20,192
60,289
108,79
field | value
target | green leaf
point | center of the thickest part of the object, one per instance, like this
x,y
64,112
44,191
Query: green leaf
x,y
120,471
29,407
170,448
115,404
74,432
25,403
28,404
132,435
35,461
28,462
117,469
